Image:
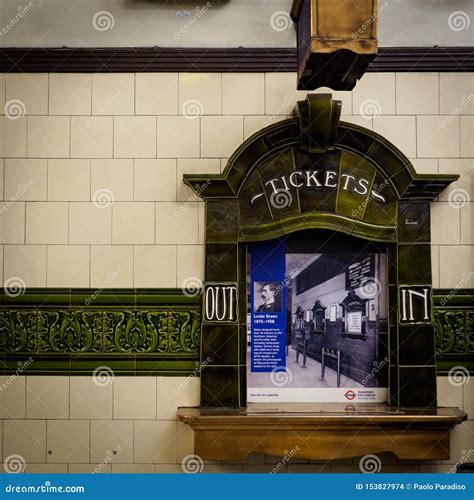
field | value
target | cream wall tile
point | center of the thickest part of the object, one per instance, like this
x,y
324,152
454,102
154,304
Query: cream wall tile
x,y
365,121
190,264
177,137
201,92
194,166
12,137
17,439
48,136
185,441
68,266
220,135
25,179
468,398
154,180
339,95
2,175
70,94
90,399
445,224
68,441
47,222
113,94
417,93
133,223
91,136
47,397
2,91
254,124
243,94
12,222
401,131
425,165
374,94
24,264
463,167
47,468
89,223
457,263
155,266
156,93
448,393
134,137
12,397
112,266
456,93
168,469
467,225
173,392
108,436
280,93
155,442
115,176
68,180
133,469
467,136
101,468
134,398
31,89
176,223
437,136
435,265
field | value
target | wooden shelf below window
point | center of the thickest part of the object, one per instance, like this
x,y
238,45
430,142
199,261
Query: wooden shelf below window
x,y
324,432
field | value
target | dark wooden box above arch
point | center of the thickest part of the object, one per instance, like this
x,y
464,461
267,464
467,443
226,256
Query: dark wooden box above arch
x,y
315,172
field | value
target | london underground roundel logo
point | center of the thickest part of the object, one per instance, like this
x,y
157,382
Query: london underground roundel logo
x,y
350,394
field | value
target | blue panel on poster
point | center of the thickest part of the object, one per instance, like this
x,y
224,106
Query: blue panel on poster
x,y
267,307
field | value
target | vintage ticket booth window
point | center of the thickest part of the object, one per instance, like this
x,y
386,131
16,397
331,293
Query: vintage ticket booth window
x,y
318,241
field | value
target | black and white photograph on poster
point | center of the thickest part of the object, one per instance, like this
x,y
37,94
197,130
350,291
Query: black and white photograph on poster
x,y
267,296
336,330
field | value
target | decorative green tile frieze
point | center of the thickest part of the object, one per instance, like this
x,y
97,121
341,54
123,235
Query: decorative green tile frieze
x,y
67,331
454,328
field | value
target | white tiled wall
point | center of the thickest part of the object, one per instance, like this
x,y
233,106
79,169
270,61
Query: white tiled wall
x,y
82,424
92,173
91,183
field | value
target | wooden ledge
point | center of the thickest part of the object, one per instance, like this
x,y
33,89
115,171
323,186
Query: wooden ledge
x,y
323,432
